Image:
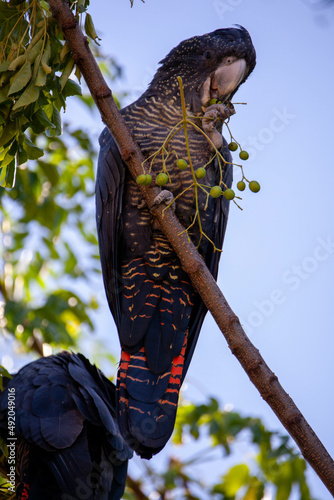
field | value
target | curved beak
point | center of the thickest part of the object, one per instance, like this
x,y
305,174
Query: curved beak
x,y
223,81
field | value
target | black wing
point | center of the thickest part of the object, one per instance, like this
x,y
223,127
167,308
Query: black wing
x,y
66,426
146,395
109,194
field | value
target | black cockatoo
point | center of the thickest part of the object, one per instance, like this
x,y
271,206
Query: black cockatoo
x,y
66,443
156,309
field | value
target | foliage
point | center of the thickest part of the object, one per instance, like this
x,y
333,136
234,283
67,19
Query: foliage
x,y
35,66
49,242
274,461
44,226
50,255
269,468
3,373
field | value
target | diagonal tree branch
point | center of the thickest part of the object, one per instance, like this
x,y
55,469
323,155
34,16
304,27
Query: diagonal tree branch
x,y
257,370
136,488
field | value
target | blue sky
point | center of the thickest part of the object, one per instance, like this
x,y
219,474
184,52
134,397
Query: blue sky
x,y
277,267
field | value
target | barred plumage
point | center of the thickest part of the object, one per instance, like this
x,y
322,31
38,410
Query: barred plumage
x,y
157,312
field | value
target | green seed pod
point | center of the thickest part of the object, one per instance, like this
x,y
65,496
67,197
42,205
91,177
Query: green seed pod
x,y
254,186
215,191
243,155
200,173
229,194
233,146
241,186
148,180
181,164
141,179
161,179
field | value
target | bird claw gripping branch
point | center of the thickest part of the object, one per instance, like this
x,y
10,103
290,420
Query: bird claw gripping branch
x,y
212,121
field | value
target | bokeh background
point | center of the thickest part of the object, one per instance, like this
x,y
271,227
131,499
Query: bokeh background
x,y
277,267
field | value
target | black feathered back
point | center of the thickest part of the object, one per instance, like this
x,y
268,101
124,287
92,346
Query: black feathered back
x,y
157,312
67,436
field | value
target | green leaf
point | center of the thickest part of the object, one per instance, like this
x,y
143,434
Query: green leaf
x,y
51,172
45,6
8,133
90,29
236,477
66,73
44,69
41,77
7,175
4,66
71,88
21,157
30,95
283,490
4,78
40,122
13,147
32,151
3,153
255,490
21,78
194,431
64,51
17,62
52,249
3,173
11,174
4,93
47,54
36,46
6,160
3,373
56,120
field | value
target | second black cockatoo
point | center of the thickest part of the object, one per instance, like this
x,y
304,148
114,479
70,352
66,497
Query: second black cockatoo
x,y
57,417
156,309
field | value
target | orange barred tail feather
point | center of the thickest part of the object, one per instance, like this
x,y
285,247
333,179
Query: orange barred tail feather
x,y
156,310
147,402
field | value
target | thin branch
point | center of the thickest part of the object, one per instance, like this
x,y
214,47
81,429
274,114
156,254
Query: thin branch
x,y
136,488
259,373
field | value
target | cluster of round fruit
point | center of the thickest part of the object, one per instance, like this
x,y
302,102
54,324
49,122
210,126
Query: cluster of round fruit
x,y
254,186
162,178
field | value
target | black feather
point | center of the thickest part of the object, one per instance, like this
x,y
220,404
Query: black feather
x,y
157,312
67,435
